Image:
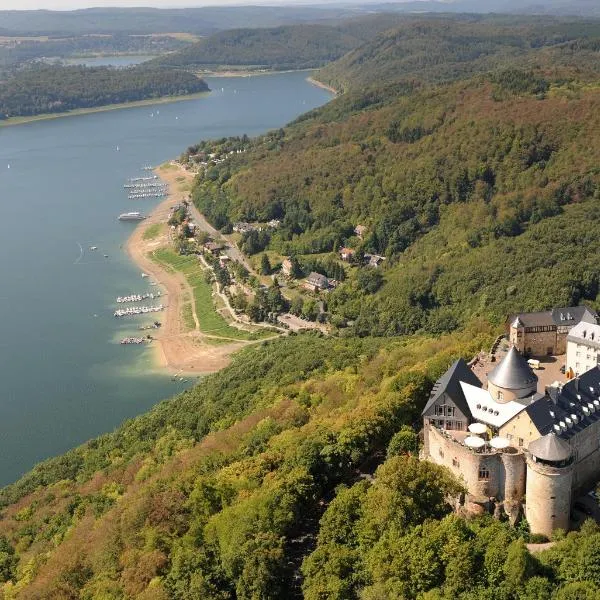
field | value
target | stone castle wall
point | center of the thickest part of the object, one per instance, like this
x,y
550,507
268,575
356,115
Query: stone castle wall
x,y
548,500
506,471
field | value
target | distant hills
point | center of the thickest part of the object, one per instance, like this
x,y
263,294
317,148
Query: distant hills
x,y
207,20
285,47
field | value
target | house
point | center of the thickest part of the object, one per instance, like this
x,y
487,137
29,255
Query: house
x,y
274,224
373,260
316,282
360,231
286,267
347,254
545,333
583,348
514,447
213,247
242,227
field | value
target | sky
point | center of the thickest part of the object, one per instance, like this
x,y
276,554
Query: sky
x,y
73,4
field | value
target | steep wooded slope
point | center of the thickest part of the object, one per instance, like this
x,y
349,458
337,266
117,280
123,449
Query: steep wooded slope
x,y
291,46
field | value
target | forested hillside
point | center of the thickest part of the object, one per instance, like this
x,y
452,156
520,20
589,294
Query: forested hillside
x,y
447,177
472,162
51,89
287,47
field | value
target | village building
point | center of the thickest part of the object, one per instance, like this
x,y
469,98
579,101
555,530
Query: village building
x,y
516,448
213,247
360,231
347,254
373,260
316,282
545,333
583,349
286,267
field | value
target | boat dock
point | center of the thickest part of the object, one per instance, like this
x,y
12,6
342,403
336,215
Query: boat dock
x,y
131,311
138,297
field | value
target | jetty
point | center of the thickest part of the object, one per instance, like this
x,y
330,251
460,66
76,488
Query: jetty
x,y
135,340
138,297
131,311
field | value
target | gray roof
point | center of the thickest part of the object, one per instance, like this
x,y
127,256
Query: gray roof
x,y
565,316
551,448
572,315
449,383
317,279
513,372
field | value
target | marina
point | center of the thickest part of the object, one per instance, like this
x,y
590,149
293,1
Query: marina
x,y
132,311
135,341
138,297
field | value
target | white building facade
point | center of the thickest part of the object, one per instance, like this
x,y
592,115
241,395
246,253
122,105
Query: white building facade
x,y
583,349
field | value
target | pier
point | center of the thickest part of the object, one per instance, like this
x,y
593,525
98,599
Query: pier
x,y
138,297
131,311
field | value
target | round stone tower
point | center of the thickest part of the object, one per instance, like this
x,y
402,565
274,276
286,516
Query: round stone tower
x,y
549,481
512,378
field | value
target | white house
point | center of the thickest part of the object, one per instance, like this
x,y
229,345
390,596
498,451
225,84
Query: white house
x,y
583,348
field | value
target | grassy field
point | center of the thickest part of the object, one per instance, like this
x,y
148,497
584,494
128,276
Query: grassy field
x,y
152,231
211,321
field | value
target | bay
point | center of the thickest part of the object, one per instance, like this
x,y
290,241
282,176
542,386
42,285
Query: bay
x,y
64,378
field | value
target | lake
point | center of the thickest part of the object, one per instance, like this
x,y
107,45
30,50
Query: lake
x,y
64,377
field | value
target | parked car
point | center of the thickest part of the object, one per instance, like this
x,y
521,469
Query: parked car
x,y
581,507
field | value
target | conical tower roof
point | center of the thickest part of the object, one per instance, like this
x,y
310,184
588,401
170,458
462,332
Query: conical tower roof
x,y
551,448
513,372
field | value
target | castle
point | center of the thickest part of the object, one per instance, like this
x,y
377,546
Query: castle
x,y
513,446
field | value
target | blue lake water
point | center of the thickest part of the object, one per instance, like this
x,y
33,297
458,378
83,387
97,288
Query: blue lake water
x,y
63,376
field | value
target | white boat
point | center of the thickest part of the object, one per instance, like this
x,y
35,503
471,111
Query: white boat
x,y
131,216
93,247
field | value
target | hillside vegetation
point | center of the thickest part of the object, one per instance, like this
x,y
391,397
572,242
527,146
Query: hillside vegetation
x,y
448,178
51,89
286,47
293,472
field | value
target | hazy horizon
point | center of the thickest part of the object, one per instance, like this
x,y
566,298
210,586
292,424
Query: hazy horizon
x,y
78,4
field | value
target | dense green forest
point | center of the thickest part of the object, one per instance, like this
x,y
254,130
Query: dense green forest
x,y
51,88
474,167
287,47
448,176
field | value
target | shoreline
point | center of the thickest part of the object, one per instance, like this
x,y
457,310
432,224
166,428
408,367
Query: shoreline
x,y
175,349
14,121
322,85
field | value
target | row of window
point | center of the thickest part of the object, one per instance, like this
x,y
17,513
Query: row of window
x,y
540,328
448,425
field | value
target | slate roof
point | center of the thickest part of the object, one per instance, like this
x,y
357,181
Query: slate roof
x,y
513,372
565,316
317,280
550,447
449,383
576,313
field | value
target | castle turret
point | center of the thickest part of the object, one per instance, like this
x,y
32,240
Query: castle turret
x,y
512,378
549,481
517,334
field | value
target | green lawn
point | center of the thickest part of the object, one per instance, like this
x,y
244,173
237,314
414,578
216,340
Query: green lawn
x,y
210,320
152,231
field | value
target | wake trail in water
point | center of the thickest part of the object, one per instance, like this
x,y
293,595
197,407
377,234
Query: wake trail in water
x,y
78,260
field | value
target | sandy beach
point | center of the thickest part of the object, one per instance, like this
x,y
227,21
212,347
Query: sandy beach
x,y
177,349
